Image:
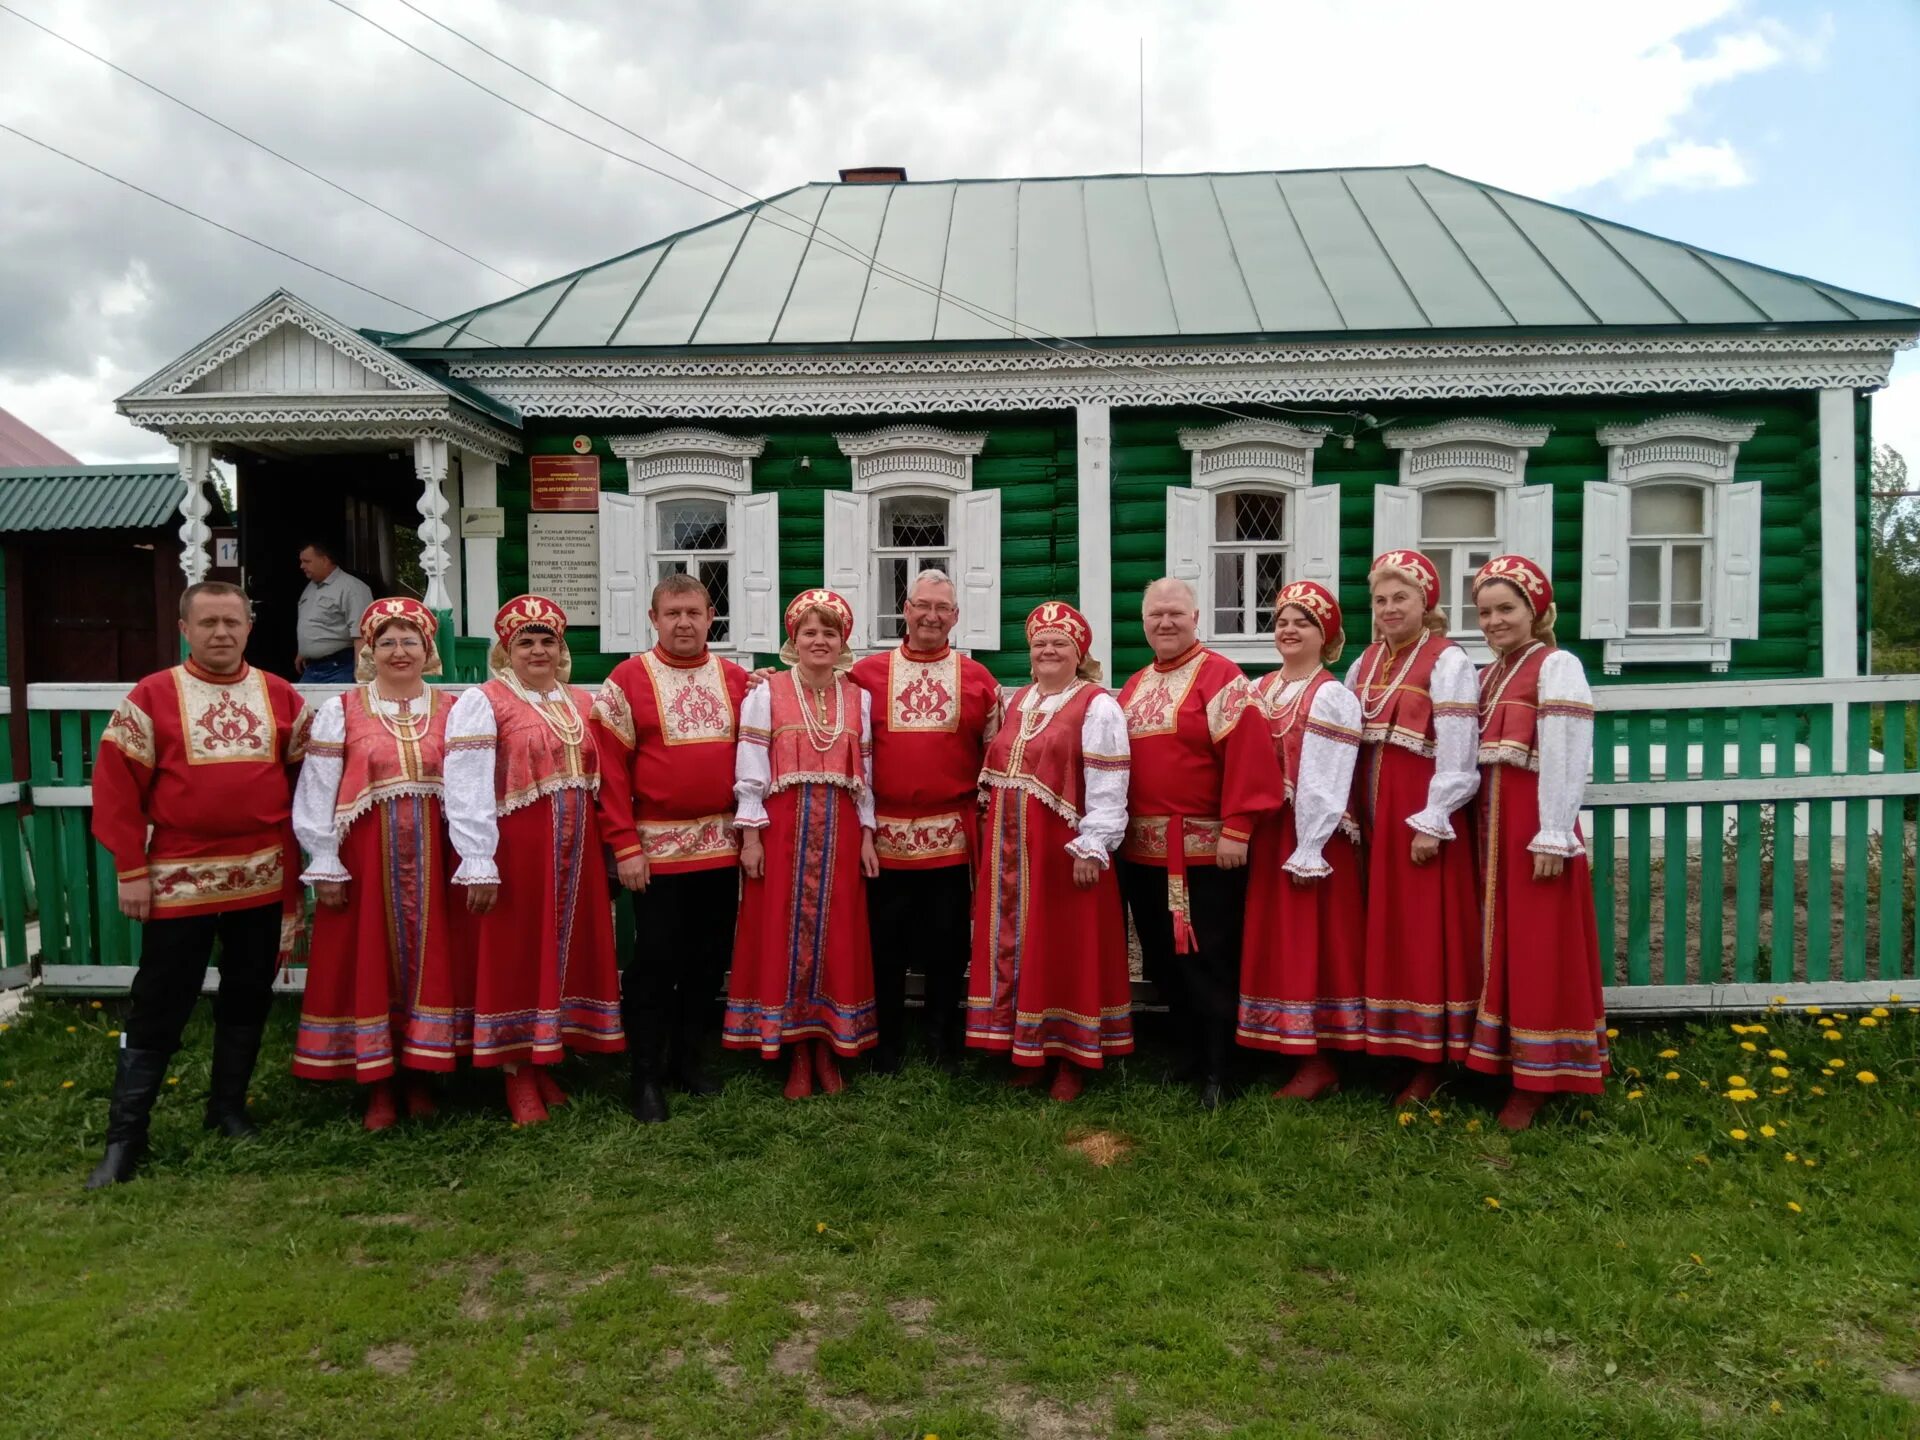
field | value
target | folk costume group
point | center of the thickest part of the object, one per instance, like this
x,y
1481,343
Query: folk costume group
x,y
1388,865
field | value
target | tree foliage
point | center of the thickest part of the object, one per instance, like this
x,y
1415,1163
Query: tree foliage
x,y
1895,558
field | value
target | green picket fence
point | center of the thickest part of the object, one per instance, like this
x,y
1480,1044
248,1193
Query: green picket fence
x,y
1745,837
14,893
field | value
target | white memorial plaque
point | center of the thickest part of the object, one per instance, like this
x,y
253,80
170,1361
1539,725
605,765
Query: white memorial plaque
x,y
563,562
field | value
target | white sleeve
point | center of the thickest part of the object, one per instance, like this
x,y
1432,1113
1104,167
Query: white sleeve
x,y
864,805
1565,729
1324,786
1105,756
472,814
1353,670
317,791
752,761
1455,692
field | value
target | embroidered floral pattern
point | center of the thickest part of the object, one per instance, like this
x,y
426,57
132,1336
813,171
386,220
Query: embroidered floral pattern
x,y
926,837
693,704
131,731
227,723
923,694
206,879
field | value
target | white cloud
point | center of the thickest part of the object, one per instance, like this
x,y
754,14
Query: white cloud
x,y
1687,165
76,412
1896,412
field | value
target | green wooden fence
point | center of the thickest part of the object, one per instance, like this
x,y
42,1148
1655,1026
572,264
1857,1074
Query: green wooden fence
x,y
1792,808
14,892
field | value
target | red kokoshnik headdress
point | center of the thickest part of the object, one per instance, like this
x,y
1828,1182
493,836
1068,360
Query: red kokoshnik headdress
x,y
402,608
1317,601
826,600
524,610
1416,565
1056,617
1523,575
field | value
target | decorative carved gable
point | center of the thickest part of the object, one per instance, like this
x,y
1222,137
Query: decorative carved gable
x,y
290,360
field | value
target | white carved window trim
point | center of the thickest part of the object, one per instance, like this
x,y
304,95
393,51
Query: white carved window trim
x,y
689,463
925,462
1686,449
1473,452
1260,457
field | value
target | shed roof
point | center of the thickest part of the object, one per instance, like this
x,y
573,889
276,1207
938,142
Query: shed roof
x,y
21,444
1132,257
88,497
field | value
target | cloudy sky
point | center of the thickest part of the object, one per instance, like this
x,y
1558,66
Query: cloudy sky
x,y
1779,131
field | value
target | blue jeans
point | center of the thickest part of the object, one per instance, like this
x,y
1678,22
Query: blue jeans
x,y
333,670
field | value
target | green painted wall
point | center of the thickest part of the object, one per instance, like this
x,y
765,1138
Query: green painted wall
x,y
1784,456
1029,458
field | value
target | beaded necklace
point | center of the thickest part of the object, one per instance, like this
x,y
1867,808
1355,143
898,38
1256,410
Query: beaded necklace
x,y
1373,711
820,735
1036,717
562,718
1501,674
1287,712
404,725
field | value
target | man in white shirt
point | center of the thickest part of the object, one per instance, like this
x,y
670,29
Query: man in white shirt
x,y
330,611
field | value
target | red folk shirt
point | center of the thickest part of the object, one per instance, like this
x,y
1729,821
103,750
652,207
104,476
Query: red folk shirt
x,y
1201,756
206,763
934,714
666,730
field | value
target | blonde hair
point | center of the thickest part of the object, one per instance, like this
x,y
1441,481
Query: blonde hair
x,y
790,656
1435,620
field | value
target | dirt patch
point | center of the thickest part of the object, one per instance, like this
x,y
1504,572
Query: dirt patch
x,y
1035,1417
322,1364
1904,1383
805,1309
474,1301
691,1284
911,1315
1102,1147
409,1220
394,1359
795,1355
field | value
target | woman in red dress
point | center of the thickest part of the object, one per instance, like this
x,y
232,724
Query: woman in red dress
x,y
1419,714
1541,1019
1303,965
1049,978
382,993
802,974
522,774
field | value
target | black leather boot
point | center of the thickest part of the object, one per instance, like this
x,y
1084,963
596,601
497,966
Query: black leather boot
x,y
136,1081
1214,1064
688,1072
646,1100
235,1048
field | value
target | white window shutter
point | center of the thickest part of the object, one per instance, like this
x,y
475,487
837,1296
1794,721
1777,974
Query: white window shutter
x,y
1187,534
1316,536
1396,520
976,523
1530,525
623,581
1603,561
756,574
846,552
1737,611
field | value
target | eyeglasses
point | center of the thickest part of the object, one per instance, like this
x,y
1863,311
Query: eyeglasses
x,y
936,607
398,642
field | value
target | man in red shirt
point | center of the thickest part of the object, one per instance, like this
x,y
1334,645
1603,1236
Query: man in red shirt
x,y
666,723
934,711
193,798
1201,780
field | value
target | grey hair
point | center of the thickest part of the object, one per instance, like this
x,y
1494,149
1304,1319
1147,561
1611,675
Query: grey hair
x,y
938,577
1193,597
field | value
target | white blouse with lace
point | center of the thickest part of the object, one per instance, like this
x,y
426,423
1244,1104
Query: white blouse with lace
x,y
1563,733
316,795
1103,732
471,800
1456,750
1323,788
753,762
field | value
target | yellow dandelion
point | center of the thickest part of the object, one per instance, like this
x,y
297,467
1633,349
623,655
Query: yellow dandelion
x,y
1768,1131
1781,1089
1867,1022
1671,1075
1748,1046
1778,1000
113,1034
1867,1077
1793,1205
97,1005
1492,1204
1633,1072
66,1084
1808,1162
4,1028
72,1028
1893,999
1612,1034
1825,1020
1473,1125
820,1227
1701,1160
1669,1054
1815,1090
1774,1406
8,1085
1779,1072
1703,1085
173,1079
1840,1017
1635,1094
1813,1009
1738,1029
1756,1029
1695,1258
1439,1117
1790,1157
1738,1134
1879,1012
1736,1080
1833,1034
1776,1054
1406,1117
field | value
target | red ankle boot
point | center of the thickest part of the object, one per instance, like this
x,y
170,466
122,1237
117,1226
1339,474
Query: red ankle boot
x,y
1419,1089
523,1097
1068,1080
799,1072
825,1070
1314,1080
1023,1076
550,1092
420,1102
1521,1107
380,1108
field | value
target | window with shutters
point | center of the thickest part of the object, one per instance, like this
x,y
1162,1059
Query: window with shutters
x,y
1671,544
1250,520
690,509
1462,498
913,507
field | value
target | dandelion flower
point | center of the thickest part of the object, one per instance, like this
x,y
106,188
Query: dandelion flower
x,y
1695,1258
1738,1029
1736,1080
1633,1072
1778,1000
1492,1204
1774,1407
1635,1094
1671,1075
1867,1077
1893,999
1406,1117
72,1028
1791,1158
1794,1205
1833,1034
1701,1160
1473,1125
113,1034
820,1227
1748,1046
1808,1162
1815,1090
1669,1054
66,1084
1612,1034
1782,1089
1779,1072
1776,1054
1813,1009
1738,1134
1879,1012
1867,1022
1768,1131
1825,1020
97,1005
1439,1117
8,1085
173,1079
1756,1029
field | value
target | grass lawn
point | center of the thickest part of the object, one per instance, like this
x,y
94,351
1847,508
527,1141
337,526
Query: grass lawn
x,y
925,1256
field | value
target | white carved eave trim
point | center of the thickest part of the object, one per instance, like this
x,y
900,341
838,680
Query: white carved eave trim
x,y
687,439
1690,424
1254,432
1471,428
962,382
280,308
923,456
1689,445
1252,452
1471,450
242,421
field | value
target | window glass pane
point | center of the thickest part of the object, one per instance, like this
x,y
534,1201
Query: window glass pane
x,y
1687,617
894,570
1459,512
1669,510
714,575
692,524
1250,515
1689,567
1643,574
1643,617
1443,566
911,521
1269,575
1228,566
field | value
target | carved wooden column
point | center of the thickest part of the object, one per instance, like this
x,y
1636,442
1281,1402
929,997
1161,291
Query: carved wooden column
x,y
196,467
430,464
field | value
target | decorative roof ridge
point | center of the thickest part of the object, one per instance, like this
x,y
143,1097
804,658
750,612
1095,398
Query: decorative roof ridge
x,y
686,438
911,437
1687,424
1306,436
1468,427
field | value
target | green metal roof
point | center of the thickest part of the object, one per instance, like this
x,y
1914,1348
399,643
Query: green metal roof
x,y
1130,257
88,497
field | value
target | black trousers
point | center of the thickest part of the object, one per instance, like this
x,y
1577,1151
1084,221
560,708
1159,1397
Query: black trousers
x,y
173,966
921,920
1201,990
682,944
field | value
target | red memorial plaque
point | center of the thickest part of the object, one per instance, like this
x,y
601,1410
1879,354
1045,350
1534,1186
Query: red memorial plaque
x,y
565,482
